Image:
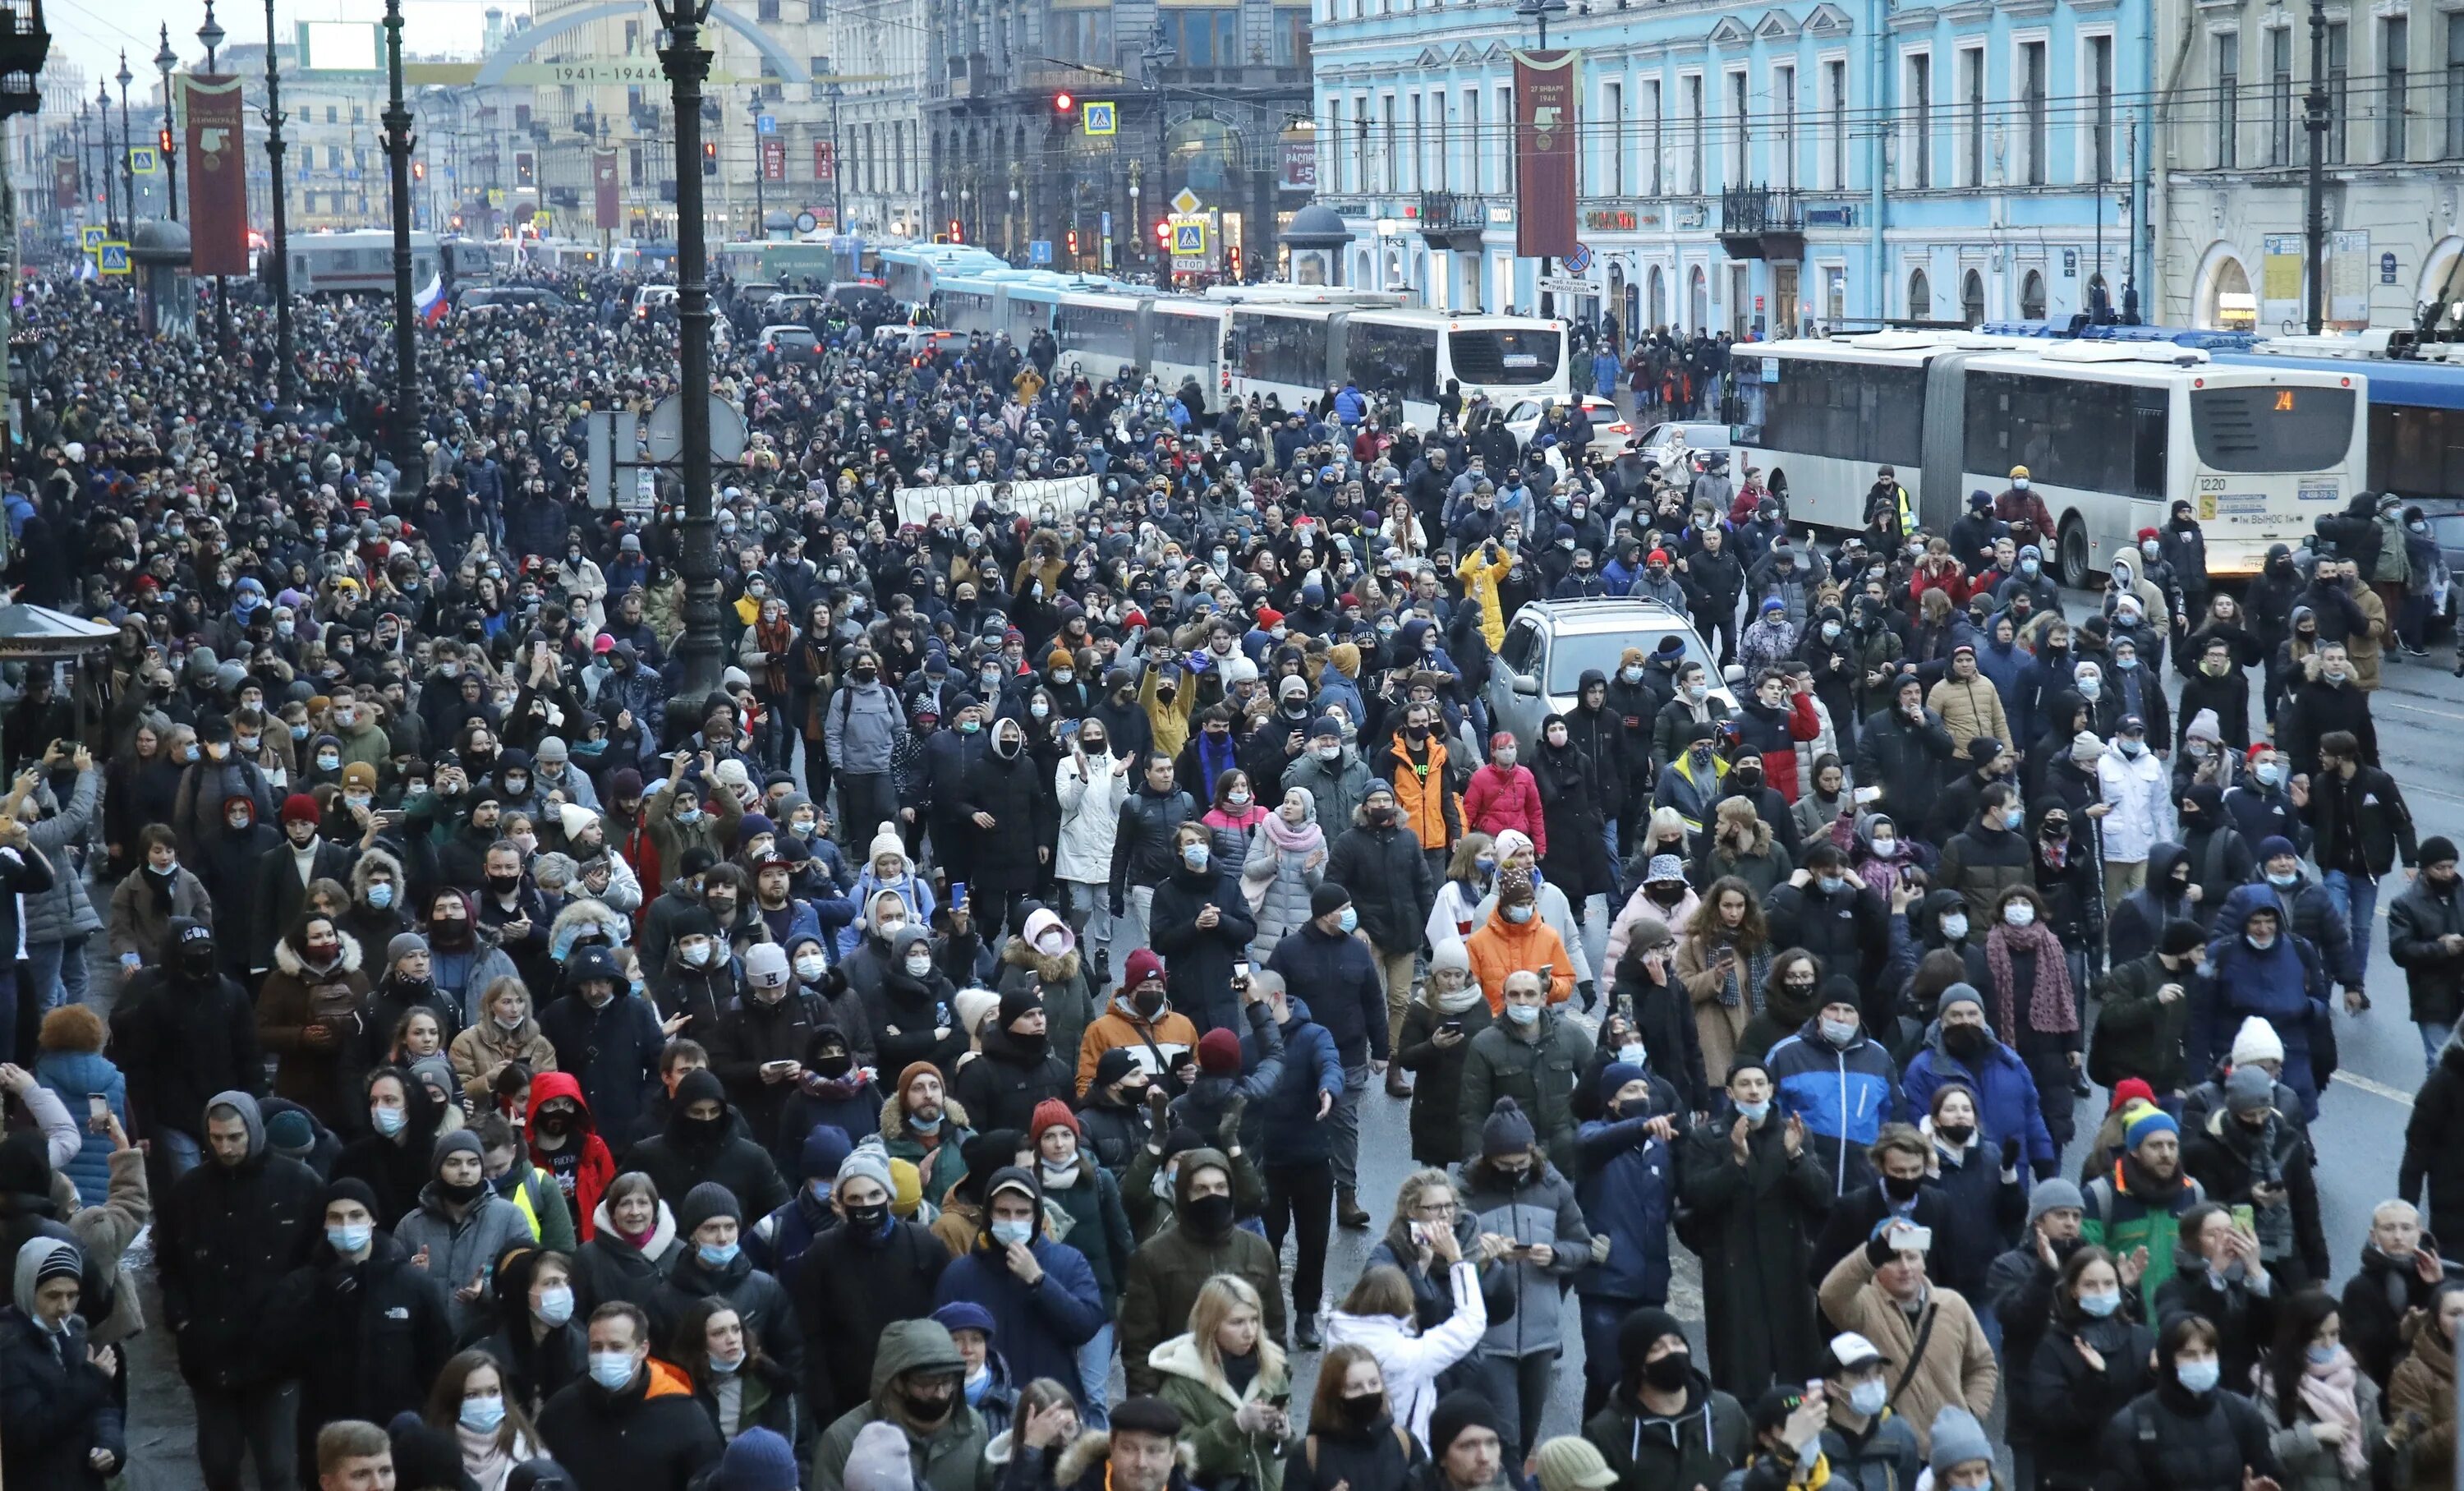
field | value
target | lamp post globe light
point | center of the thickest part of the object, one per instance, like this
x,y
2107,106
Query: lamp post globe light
x,y
209,35
406,421
285,380
127,164
686,64
166,59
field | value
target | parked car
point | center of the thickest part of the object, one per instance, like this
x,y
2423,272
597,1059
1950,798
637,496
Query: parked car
x,y
787,344
653,298
498,297
1552,643
1675,439
1609,428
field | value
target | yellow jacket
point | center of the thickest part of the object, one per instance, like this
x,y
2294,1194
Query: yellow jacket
x,y
1480,580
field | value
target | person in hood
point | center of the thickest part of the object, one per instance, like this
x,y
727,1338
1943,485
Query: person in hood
x,y
700,1145
913,1013
394,1157
632,1421
185,1029
608,1040
918,1389
2268,975
1041,1295
2186,1431
461,1226
1167,1271
60,1423
365,1326
1665,1424
233,1227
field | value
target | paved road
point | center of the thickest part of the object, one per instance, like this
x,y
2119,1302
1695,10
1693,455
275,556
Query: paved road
x,y
2360,1132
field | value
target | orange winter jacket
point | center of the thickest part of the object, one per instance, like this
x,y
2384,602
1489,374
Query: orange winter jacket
x,y
1431,808
1502,946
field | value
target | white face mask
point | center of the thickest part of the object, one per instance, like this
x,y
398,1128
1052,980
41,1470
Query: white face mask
x,y
809,968
1054,943
919,963
2019,913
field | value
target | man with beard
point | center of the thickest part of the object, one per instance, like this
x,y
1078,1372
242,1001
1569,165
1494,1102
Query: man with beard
x,y
2139,1205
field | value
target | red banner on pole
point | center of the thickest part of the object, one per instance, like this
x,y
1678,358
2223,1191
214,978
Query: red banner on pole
x,y
1546,87
217,174
825,159
603,177
774,159
64,183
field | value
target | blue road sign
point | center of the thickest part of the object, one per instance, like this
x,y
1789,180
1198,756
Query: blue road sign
x,y
766,123
1039,250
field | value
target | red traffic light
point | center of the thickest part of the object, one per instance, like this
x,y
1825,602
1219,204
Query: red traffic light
x,y
1163,232
1063,102
162,140
1074,241
419,170
958,235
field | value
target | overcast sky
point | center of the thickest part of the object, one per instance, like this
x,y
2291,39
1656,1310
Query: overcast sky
x,y
91,33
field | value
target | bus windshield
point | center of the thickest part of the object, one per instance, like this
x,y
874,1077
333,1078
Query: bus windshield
x,y
2263,428
1506,355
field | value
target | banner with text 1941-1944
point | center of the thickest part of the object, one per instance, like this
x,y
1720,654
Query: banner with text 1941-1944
x,y
1065,496
217,174
1546,85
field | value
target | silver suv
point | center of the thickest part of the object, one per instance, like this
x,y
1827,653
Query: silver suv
x,y
1551,644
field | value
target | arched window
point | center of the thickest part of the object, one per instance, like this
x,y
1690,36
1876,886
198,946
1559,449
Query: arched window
x,y
1658,300
1698,302
2031,297
1971,298
1919,296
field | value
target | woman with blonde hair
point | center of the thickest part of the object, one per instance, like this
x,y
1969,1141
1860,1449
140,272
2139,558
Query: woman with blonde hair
x,y
1381,1315
1224,1375
505,1033
1471,874
1724,959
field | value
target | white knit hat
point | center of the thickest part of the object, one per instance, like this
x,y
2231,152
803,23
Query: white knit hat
x,y
2256,1041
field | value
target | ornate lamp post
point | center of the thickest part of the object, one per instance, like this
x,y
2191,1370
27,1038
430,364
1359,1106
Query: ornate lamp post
x,y
686,64
285,382
127,167
209,35
164,60
103,157
2314,215
406,421
761,159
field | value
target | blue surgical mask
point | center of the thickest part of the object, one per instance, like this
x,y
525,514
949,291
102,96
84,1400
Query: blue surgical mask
x,y
388,1121
1869,1396
2198,1376
1350,920
1485,864
2271,773
1832,884
612,1370
555,1305
717,1255
723,1366
349,1239
1523,1013
1754,1112
482,1415
2285,881
2322,1356
1193,856
1521,911
1840,1032
381,896
2100,1302
1008,1233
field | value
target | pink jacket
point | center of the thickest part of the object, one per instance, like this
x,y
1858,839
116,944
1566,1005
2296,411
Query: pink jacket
x,y
1504,799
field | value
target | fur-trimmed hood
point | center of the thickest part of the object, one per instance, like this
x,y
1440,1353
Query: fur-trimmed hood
x,y
286,957
894,1119
1020,953
578,919
372,859
1095,1447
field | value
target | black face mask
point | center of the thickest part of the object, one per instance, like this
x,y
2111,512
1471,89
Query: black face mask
x,y
1210,1215
1669,1373
1956,1133
197,962
705,1131
1148,1002
927,1410
1902,1190
1966,1040
869,1220
461,1195
838,1064
504,884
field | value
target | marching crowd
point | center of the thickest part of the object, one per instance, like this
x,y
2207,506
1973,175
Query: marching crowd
x,y
525,1072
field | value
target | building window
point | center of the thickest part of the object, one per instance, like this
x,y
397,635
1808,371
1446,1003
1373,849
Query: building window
x,y
1692,183
1651,113
2031,297
1291,38
1080,35
1418,174
2031,71
2339,56
2099,74
2454,87
332,115
2228,102
2398,37
1919,296
767,11
1972,94
2280,97
1835,89
1613,137
1784,84
1360,148
1505,115
1916,152
1390,166
1477,178
1204,38
1741,132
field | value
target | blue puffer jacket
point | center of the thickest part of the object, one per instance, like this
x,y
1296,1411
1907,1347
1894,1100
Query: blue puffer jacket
x,y
2286,985
2006,1095
1293,1134
1627,1178
1845,1097
71,1076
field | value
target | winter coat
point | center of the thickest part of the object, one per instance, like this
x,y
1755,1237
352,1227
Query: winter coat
x,y
2137,790
759,1300
2286,985
1001,1084
1542,1209
1039,1326
2006,1095
480,1052
460,1252
1538,1073
649,1435
56,1408
849,1296
1223,1454
2166,1439
611,1051
1169,1269
608,1268
1388,876
1969,707
74,1075
2068,1403
1956,1366
65,911
1843,1094
681,1158
365,1340
1338,786
2127,1210
1279,883
1088,805
2310,1465
324,1080
1696,1446
1437,1091
1628,1196
1575,797
180,1041
2228,1159
1009,789
2433,977
141,924
1197,961
2138,1033
2377,1300
2424,1385
1346,987
2433,1143
1411,1363
224,1239
1507,798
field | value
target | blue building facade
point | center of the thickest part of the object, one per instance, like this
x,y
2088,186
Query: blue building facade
x,y
1755,168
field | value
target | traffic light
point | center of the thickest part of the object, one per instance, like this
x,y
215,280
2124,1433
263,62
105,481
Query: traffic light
x,y
1163,234
1063,103
162,140
710,157
419,170
958,235
1073,241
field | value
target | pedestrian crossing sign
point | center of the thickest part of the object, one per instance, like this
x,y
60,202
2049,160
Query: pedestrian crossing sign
x,y
1101,119
143,160
114,258
89,237
1189,238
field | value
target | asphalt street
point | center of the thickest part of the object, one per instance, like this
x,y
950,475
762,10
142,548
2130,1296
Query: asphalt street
x,y
2358,1134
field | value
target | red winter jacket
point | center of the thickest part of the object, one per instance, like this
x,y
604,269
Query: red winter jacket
x,y
1507,798
1775,737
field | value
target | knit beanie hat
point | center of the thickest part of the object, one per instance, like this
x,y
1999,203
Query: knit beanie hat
x,y
2256,1041
1506,1130
1219,1052
2180,938
1958,1440
2054,1193
1327,897
761,1459
2248,1089
2147,1125
402,945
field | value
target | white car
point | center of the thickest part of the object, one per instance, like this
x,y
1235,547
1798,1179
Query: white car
x,y
1609,428
1673,439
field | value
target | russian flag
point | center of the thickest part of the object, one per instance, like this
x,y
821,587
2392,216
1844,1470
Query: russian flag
x,y
430,301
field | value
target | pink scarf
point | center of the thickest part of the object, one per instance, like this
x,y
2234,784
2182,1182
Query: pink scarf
x,y
2049,1002
2327,1392
1305,840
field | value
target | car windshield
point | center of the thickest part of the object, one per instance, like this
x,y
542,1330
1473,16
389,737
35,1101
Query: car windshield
x,y
800,335
1571,654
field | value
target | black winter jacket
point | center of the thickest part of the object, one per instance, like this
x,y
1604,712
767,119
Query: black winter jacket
x,y
1389,879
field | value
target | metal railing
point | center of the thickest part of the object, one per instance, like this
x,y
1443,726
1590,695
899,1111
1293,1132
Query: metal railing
x,y
1753,210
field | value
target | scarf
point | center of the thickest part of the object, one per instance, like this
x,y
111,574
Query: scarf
x,y
2327,1392
1307,839
1753,968
1459,1001
2049,1002
775,640
483,1459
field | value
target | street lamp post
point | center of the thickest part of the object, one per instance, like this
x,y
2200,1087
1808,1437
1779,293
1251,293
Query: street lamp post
x,y
283,376
686,64
102,158
127,166
2315,209
163,61
209,35
838,164
406,319
761,159
85,186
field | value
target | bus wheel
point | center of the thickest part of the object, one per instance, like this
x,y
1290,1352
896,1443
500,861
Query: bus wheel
x,y
2072,557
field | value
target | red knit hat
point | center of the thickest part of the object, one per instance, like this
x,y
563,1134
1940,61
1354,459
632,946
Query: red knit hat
x,y
2130,1087
1051,1113
300,808
1141,965
1219,1051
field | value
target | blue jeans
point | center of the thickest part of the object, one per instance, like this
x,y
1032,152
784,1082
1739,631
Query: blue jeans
x,y
58,971
2434,1039
1095,1378
2357,896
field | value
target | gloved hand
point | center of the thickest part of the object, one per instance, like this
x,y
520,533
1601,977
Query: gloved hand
x,y
1227,1133
1120,904
2010,1154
